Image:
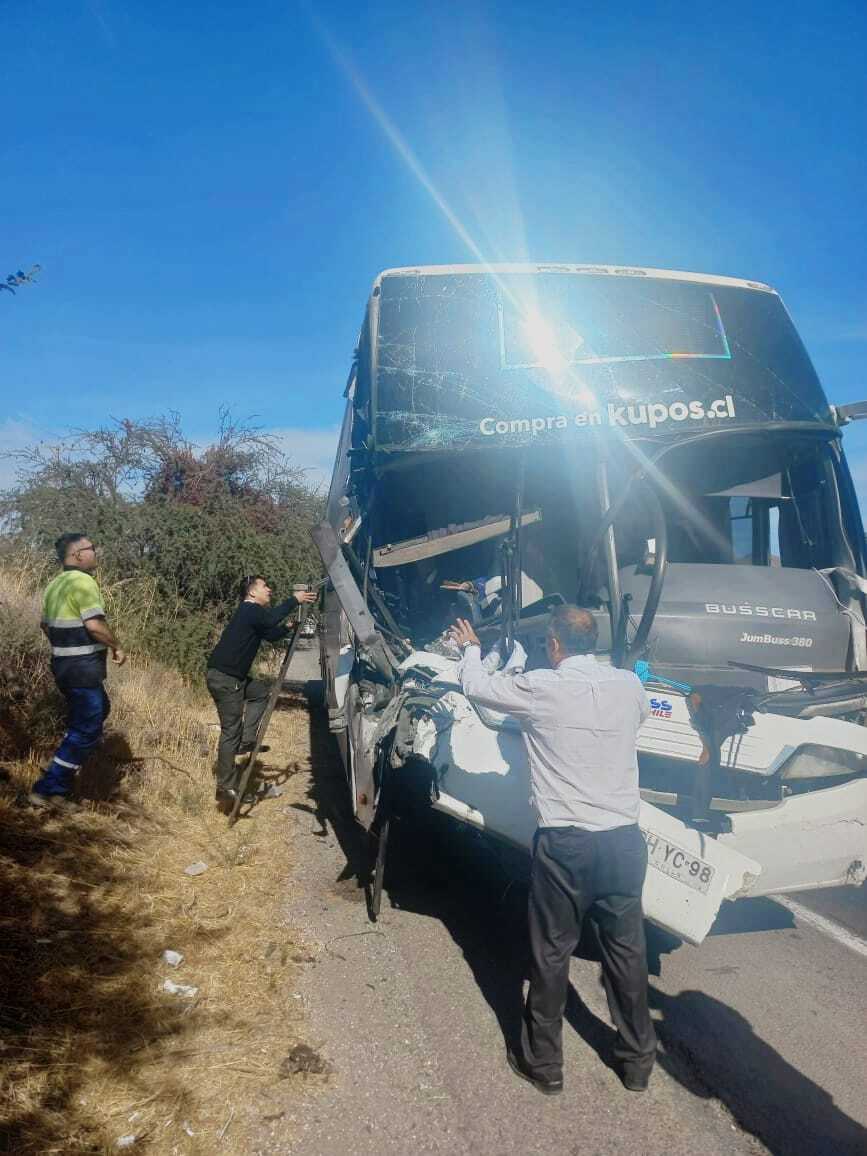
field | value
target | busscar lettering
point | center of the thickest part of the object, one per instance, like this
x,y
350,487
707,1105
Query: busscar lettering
x,y
747,610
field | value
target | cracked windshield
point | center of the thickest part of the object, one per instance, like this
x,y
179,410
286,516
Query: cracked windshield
x,y
469,357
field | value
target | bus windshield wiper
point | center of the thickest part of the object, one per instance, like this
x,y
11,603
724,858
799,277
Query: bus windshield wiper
x,y
807,678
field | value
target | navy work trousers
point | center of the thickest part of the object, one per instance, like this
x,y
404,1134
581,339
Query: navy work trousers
x,y
87,710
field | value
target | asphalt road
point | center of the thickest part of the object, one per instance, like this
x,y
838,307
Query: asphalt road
x,y
762,1028
844,905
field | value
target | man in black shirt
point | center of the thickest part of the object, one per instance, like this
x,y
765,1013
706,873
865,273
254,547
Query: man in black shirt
x,y
240,699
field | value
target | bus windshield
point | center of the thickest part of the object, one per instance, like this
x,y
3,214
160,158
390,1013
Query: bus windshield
x,y
474,358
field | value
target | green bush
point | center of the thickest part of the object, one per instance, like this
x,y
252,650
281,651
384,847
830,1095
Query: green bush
x,y
31,708
177,526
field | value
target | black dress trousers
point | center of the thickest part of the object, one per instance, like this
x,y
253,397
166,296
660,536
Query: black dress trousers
x,y
576,872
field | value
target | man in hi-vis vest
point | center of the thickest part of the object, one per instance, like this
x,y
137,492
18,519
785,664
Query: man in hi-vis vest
x,y
73,618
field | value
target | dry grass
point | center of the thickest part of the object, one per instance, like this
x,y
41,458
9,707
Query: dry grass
x,y
90,1048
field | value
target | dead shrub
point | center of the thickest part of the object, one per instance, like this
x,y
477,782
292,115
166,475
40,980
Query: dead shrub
x,y
31,710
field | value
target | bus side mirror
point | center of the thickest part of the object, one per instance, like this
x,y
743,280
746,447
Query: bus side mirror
x,y
843,414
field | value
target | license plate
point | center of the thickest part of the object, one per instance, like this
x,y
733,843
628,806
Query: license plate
x,y
678,864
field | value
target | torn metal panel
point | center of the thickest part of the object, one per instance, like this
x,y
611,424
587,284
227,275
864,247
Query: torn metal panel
x,y
363,624
337,688
371,725
816,839
484,779
444,541
363,753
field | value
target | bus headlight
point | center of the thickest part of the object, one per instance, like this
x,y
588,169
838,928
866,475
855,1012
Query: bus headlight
x,y
814,761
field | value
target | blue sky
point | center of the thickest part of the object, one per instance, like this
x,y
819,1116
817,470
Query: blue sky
x,y
211,188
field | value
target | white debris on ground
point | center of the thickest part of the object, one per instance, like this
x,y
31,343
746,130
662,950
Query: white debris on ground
x,y
185,990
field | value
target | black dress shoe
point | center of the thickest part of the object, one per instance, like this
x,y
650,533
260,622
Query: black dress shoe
x,y
633,1079
547,1085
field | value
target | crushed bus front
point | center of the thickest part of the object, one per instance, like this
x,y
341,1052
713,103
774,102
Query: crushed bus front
x,y
657,447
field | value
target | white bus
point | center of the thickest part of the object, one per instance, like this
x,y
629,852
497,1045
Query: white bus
x,y
651,444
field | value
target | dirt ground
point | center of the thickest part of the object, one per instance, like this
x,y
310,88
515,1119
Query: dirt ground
x,y
95,1055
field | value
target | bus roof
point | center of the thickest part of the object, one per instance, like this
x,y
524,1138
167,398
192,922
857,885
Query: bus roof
x,y
557,267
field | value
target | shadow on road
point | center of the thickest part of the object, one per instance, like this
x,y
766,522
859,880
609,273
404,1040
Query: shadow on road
x,y
712,1050
328,793
477,890
747,915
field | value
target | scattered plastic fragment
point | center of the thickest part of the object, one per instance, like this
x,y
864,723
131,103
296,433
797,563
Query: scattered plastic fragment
x,y
172,958
126,1141
196,868
187,991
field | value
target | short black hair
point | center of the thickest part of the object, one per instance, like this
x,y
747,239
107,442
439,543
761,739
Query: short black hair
x,y
575,629
61,546
247,584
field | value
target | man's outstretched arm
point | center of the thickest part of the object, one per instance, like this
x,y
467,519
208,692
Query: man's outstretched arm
x,y
507,693
274,615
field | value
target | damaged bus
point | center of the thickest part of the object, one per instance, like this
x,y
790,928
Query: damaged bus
x,y
657,447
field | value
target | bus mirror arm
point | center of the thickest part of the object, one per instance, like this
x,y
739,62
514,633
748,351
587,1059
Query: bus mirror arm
x,y
854,411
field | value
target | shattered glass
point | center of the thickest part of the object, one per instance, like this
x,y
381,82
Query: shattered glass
x,y
475,358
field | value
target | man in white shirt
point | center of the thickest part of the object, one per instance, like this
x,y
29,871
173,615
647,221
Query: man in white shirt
x,y
580,720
